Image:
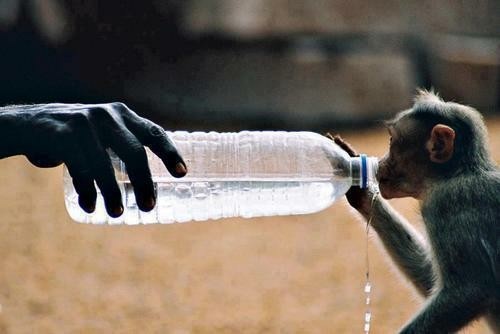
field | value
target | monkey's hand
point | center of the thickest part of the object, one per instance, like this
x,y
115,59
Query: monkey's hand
x,y
358,198
78,135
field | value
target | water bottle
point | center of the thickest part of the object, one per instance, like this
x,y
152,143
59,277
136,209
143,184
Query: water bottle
x,y
245,174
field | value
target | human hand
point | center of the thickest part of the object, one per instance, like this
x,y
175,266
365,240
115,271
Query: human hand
x,y
78,135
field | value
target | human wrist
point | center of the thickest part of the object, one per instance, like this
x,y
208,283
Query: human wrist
x,y
14,128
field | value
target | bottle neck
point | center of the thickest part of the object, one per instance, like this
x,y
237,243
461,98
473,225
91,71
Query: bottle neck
x,y
363,170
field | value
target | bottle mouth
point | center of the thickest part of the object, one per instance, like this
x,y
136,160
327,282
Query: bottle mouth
x,y
363,170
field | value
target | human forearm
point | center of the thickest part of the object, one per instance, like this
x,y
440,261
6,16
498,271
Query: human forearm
x,y
13,126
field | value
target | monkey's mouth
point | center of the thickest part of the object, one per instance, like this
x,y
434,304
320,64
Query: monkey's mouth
x,y
396,189
382,179
392,188
385,192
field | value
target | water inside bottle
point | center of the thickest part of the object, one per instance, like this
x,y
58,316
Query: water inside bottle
x,y
198,200
247,174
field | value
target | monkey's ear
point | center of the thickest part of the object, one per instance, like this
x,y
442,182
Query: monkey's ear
x,y
441,143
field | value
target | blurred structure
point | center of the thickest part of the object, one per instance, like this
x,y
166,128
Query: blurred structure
x,y
251,64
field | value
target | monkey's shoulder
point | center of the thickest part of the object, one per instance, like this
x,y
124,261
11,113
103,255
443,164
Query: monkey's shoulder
x,y
479,192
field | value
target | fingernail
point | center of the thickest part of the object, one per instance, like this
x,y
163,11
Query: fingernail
x,y
90,207
150,203
117,211
180,169
87,205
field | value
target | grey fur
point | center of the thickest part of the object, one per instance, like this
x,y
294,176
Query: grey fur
x,y
458,271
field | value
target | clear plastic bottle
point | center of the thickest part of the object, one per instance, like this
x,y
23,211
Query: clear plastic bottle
x,y
245,174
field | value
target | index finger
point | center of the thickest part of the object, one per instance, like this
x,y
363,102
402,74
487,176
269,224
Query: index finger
x,y
154,136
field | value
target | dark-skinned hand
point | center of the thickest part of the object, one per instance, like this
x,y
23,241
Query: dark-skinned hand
x,y
78,136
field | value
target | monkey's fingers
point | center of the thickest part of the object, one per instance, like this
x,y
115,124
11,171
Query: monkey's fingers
x,y
345,146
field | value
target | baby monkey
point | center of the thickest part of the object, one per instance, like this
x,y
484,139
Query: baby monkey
x,y
438,154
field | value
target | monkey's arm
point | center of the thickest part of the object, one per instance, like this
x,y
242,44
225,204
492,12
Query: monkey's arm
x,y
448,311
400,239
404,244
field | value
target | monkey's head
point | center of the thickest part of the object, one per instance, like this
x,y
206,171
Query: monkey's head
x,y
433,141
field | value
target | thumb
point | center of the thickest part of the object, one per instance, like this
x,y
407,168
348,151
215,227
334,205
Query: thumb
x,y
345,146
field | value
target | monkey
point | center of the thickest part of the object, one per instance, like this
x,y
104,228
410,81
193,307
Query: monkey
x,y
438,154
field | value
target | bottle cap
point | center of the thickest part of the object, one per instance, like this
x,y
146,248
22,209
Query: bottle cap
x,y
363,170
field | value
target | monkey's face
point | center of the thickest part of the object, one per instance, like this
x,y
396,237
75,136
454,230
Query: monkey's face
x,y
402,171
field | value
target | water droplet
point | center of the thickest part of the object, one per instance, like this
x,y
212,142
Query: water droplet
x,y
368,287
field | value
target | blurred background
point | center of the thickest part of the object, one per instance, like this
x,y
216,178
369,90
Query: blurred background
x,y
225,65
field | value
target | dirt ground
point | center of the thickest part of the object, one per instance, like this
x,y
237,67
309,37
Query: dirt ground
x,y
301,274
